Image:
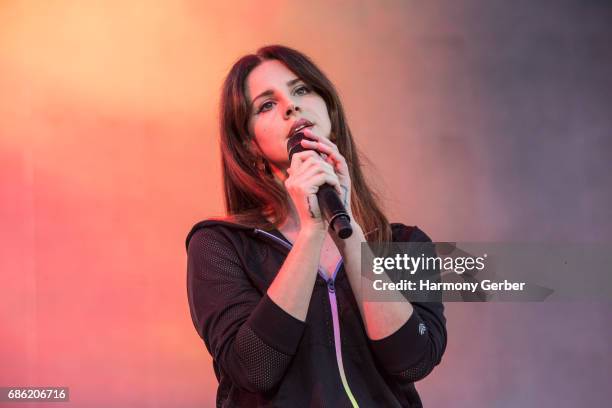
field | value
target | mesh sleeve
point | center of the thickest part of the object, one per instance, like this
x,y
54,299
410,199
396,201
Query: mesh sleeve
x,y
262,364
239,326
416,372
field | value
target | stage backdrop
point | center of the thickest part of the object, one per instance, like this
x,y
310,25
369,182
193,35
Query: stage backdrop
x,y
483,120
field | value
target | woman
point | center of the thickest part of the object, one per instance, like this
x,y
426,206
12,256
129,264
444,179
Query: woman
x,y
276,298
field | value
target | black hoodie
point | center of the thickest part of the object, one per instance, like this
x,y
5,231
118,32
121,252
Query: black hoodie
x,y
264,357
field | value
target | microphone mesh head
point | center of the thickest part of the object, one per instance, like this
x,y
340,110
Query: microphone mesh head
x,y
293,144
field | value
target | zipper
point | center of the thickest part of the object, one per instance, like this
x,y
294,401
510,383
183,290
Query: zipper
x,y
331,292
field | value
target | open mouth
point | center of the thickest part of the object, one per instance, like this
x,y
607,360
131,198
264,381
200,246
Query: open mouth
x,y
300,125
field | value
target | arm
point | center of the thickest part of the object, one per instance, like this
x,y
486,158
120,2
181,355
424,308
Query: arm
x,y
252,338
380,318
292,287
394,327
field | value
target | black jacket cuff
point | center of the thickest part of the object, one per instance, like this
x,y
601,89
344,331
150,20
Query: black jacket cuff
x,y
275,326
403,348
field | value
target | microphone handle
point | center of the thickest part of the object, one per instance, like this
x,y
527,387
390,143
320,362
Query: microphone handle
x,y
334,212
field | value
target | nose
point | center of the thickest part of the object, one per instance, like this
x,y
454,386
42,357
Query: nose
x,y
291,108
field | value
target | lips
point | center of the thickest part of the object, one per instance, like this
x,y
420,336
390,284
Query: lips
x,y
299,125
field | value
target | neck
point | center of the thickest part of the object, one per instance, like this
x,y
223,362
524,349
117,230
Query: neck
x,y
292,222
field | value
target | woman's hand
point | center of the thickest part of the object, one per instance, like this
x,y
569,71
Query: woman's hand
x,y
309,171
332,155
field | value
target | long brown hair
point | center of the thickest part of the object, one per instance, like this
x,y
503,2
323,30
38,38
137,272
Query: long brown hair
x,y
250,193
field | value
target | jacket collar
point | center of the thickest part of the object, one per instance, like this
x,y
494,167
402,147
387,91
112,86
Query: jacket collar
x,y
403,233
230,224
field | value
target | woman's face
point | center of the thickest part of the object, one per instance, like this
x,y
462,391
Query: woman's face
x,y
278,99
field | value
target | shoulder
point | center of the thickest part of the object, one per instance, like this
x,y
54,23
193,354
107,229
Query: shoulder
x,y
213,230
405,233
202,238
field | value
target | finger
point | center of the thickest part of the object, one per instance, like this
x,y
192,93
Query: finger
x,y
324,156
324,140
306,173
332,153
322,144
299,158
305,155
311,165
324,178
329,168
314,160
311,176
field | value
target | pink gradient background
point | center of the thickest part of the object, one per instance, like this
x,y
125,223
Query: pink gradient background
x,y
109,153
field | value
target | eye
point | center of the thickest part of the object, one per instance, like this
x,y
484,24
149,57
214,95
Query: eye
x,y
302,90
263,107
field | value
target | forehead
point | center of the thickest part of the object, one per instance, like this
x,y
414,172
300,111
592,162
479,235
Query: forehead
x,y
269,74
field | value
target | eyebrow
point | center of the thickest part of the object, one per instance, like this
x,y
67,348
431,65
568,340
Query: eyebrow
x,y
270,92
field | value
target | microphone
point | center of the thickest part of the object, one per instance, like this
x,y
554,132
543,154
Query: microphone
x,y
330,204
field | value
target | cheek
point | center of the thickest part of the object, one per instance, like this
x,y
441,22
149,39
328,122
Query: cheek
x,y
258,130
264,134
324,113
325,119
268,129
